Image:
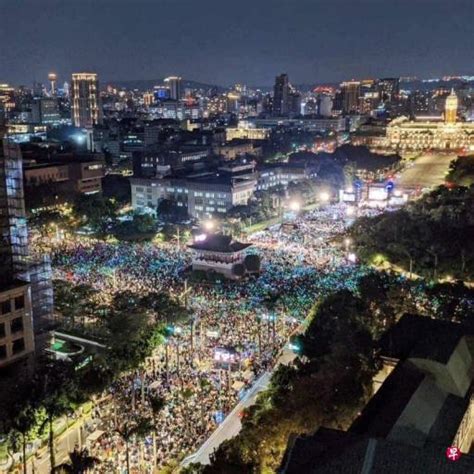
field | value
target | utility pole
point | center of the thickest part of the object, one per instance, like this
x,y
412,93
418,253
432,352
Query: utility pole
x,y
259,336
192,336
177,355
166,361
274,330
186,293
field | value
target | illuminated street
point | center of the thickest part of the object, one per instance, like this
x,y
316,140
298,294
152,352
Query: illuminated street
x,y
426,171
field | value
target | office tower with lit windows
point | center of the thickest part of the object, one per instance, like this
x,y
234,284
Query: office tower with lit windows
x,y
350,96
325,105
294,102
7,101
45,111
281,96
389,88
369,97
173,83
161,93
86,106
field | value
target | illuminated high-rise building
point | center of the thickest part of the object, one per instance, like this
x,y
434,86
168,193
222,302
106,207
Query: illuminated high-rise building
x,y
350,96
7,100
161,93
86,106
451,108
174,85
45,110
325,105
294,102
281,93
233,102
52,79
389,88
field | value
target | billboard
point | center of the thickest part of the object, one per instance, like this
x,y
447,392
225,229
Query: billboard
x,y
378,193
226,355
347,196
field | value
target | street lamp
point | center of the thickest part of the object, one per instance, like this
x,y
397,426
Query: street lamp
x,y
347,243
352,257
295,206
209,225
324,196
200,238
294,347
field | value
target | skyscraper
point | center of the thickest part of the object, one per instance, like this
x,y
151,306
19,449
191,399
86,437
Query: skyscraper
x,y
325,105
389,88
294,102
85,100
350,96
174,85
45,110
52,79
16,319
281,93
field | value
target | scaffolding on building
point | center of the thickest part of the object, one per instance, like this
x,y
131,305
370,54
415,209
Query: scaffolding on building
x,y
15,262
13,230
40,278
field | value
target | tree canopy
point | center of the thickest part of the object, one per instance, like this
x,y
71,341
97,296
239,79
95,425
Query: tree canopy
x,y
461,171
430,232
95,211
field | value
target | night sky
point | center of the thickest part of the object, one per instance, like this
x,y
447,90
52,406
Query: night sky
x,y
224,42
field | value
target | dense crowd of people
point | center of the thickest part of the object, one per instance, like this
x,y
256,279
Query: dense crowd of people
x,y
238,329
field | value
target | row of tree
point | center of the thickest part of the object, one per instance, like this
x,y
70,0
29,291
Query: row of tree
x,y
96,214
461,171
428,236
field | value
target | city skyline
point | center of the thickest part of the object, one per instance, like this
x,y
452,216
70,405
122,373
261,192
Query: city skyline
x,y
313,43
234,236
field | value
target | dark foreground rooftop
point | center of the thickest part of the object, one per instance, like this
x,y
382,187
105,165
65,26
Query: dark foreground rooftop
x,y
337,452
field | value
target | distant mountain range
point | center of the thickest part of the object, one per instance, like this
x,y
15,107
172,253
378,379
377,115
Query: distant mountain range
x,y
406,83
148,84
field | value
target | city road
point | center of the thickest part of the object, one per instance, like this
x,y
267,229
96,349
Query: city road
x,y
231,426
427,171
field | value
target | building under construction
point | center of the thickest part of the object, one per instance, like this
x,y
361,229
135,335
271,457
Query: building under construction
x,y
26,299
